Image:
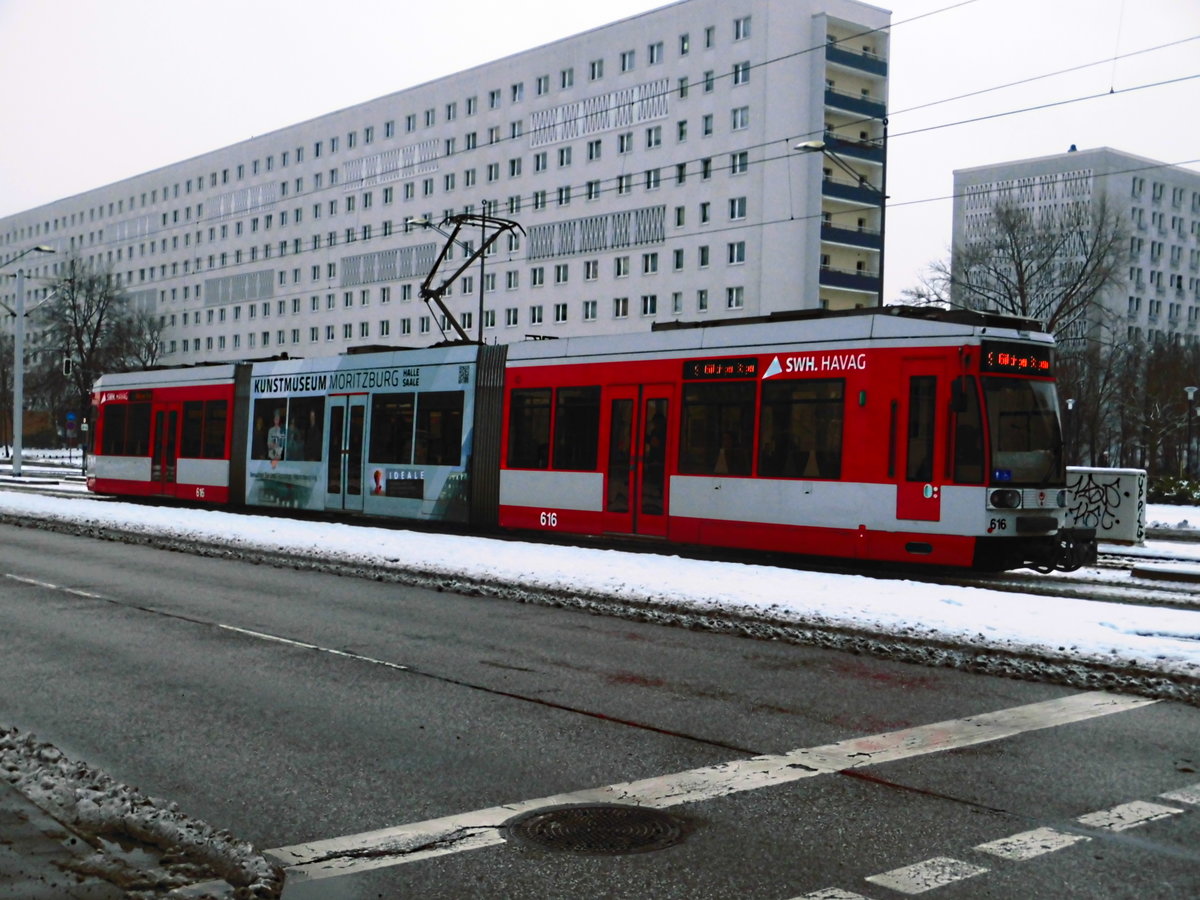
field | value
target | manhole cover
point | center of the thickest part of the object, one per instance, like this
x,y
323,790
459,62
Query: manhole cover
x,y
599,829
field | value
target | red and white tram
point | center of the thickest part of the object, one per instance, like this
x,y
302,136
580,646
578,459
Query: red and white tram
x,y
894,434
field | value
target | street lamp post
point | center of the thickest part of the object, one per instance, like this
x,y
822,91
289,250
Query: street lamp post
x,y
880,192
18,310
1070,435
1190,390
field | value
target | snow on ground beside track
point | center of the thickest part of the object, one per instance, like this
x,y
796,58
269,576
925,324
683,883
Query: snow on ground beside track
x,y
1155,639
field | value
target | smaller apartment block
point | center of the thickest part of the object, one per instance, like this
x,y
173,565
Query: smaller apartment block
x,y
1159,204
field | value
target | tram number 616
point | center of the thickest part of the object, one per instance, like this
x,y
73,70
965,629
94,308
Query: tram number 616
x,y
549,519
999,525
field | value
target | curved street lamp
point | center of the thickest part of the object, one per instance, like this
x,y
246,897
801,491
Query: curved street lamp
x,y
1191,416
18,310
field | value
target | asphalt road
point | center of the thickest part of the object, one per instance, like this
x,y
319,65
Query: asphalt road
x,y
297,709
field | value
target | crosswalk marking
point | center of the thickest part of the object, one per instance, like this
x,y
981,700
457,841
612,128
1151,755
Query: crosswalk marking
x,y
482,828
1029,844
925,876
1127,815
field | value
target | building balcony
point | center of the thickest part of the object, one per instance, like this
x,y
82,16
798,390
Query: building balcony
x,y
848,280
862,193
851,237
869,151
862,62
855,104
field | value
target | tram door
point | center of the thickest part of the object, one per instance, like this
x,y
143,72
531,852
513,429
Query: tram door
x,y
164,450
919,438
344,484
636,485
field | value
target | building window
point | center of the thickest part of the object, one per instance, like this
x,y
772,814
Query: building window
x,y
737,208
560,313
649,304
566,78
741,28
596,69
620,307
740,118
741,73
627,60
737,253
589,310
739,163
655,53
735,297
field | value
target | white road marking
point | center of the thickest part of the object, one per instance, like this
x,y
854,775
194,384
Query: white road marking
x,y
1190,795
1127,815
1029,844
482,828
832,894
925,876
54,587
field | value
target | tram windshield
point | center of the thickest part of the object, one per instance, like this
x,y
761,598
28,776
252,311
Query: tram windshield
x,y
1026,440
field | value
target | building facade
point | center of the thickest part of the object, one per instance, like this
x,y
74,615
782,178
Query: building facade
x,y
1158,203
651,164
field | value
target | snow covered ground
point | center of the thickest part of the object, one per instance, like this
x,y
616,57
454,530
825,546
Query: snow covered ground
x,y
1093,633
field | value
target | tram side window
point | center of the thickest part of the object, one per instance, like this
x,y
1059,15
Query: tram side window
x,y
529,428
204,428
126,429
287,428
392,418
576,429
922,413
270,428
717,432
306,429
439,429
968,432
800,434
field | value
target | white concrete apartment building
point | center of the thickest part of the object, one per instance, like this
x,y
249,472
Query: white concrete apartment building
x,y
1160,204
652,164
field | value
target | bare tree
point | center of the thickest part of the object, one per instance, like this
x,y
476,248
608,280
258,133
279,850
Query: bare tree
x,y
1049,265
88,327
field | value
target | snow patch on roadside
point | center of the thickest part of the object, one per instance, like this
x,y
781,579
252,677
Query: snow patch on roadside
x,y
172,851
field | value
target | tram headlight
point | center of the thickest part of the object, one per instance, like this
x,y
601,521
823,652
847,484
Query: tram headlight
x,y
1062,499
1005,498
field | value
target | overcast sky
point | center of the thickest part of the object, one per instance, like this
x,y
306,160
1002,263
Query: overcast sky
x,y
99,90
